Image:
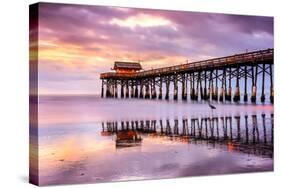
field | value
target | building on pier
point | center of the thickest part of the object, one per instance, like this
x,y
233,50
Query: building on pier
x,y
126,67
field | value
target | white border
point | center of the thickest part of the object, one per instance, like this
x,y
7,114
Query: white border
x,y
14,90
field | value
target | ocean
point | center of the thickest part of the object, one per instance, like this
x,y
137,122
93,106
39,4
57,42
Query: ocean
x,y
88,139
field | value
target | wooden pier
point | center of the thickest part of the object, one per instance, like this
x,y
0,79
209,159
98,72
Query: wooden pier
x,y
205,80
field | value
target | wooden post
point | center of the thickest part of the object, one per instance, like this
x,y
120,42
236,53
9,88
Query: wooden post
x,y
167,87
222,91
201,87
141,89
262,89
271,84
210,85
127,89
254,84
205,85
193,86
160,88
136,90
229,86
147,94
197,88
122,89
175,87
215,90
102,89
115,89
236,97
245,84
183,94
154,95
132,88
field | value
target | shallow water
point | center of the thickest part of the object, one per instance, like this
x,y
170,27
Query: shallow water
x,y
84,139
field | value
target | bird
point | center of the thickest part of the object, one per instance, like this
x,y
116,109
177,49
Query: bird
x,y
212,106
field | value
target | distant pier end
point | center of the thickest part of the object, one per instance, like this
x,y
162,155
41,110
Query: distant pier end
x,y
206,80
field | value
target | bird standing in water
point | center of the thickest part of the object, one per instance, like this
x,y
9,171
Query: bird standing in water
x,y
212,108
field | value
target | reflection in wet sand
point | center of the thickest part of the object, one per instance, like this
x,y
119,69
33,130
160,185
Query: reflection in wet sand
x,y
249,138
87,139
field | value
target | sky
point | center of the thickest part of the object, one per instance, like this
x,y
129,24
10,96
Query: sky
x,y
78,42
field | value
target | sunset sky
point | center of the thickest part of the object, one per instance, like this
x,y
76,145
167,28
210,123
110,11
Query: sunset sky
x,y
77,43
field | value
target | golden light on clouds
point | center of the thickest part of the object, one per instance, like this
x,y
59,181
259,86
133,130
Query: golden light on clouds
x,y
141,20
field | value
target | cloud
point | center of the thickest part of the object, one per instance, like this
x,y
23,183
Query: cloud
x,y
81,39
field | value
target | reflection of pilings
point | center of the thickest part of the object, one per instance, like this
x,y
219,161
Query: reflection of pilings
x,y
168,128
176,127
256,135
238,127
224,127
211,124
230,126
185,127
247,129
175,87
215,130
264,128
217,127
272,128
206,128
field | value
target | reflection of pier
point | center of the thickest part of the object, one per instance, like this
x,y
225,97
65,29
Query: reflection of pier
x,y
248,134
206,80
